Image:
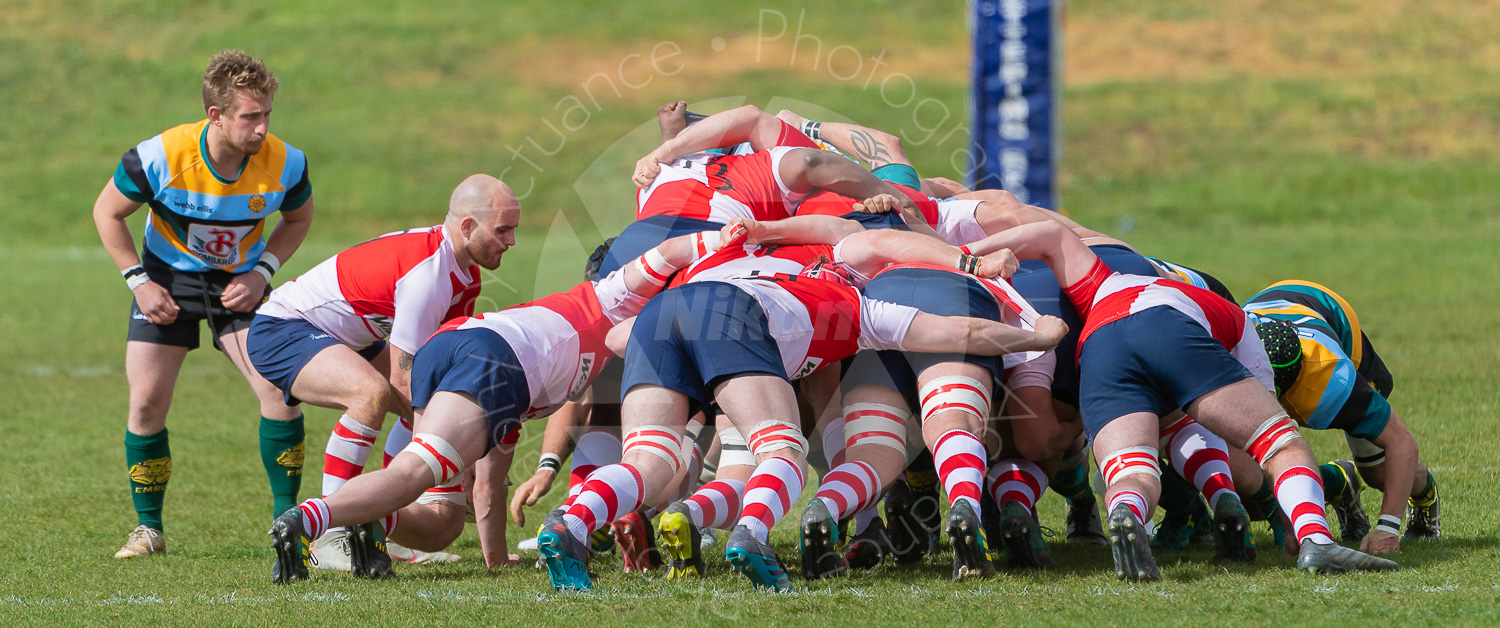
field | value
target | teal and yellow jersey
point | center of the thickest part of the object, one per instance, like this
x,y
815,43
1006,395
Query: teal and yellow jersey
x,y
203,220
1331,391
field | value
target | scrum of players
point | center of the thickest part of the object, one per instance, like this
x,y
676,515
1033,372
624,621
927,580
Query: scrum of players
x,y
778,306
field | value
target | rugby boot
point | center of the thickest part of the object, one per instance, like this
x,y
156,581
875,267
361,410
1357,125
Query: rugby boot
x,y
290,546
636,539
367,555
908,537
927,505
819,543
869,546
989,516
1022,537
1130,547
757,560
1083,524
601,541
1334,558
972,557
143,541
1422,518
1231,527
331,552
1353,523
567,558
1179,527
682,542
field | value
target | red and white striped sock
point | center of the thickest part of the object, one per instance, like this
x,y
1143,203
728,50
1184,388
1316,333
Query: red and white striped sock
x,y
1299,490
348,450
609,494
849,488
1202,458
864,518
388,523
716,504
769,494
395,441
595,449
315,517
960,465
1135,501
1017,479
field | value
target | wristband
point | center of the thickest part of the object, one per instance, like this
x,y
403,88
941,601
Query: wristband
x,y
550,462
267,266
968,263
1389,523
135,276
812,129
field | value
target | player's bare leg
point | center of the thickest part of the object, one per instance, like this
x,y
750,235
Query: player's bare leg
x,y
1125,450
151,370
764,409
282,432
1245,412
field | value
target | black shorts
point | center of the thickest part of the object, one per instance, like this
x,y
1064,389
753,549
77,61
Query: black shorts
x,y
1373,369
198,299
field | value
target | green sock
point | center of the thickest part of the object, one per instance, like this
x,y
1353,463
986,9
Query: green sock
x,y
1334,482
1265,499
1177,494
281,451
148,460
1073,484
1427,495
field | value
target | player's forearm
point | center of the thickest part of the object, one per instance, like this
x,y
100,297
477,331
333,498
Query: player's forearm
x,y
490,497
804,169
728,128
1400,467
828,230
401,364
288,235
987,337
565,426
870,251
876,148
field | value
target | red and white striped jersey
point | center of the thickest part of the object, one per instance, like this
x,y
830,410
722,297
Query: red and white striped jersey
x,y
1120,296
718,188
559,338
400,286
750,260
817,322
829,203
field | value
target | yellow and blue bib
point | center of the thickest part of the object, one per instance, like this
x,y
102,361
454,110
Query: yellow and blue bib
x,y
200,219
1329,392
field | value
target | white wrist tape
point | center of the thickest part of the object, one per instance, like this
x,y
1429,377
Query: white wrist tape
x,y
705,242
1389,523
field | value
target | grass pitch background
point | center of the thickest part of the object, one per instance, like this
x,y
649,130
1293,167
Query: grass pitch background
x,y
1349,143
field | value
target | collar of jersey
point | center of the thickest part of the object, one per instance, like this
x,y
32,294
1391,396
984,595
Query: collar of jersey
x,y
203,151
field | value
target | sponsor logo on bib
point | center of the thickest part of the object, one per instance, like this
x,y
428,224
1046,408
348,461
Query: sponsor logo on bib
x,y
219,245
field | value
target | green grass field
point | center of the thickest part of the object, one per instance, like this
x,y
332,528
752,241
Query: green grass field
x,y
1351,143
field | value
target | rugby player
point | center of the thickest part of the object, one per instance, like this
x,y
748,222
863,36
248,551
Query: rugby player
x,y
1152,345
1328,376
210,186
473,384
741,324
322,338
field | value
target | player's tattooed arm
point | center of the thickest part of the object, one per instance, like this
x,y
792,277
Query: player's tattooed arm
x,y
405,361
871,148
401,362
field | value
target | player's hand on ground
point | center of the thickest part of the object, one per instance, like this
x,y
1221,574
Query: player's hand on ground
x,y
497,560
1001,263
646,170
528,493
1052,328
244,292
1380,542
156,304
879,204
672,118
791,118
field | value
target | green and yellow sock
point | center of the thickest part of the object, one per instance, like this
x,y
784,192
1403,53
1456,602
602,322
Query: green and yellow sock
x,y
1073,484
148,460
1334,480
1428,495
281,452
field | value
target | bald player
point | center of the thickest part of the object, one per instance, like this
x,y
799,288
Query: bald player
x,y
343,335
